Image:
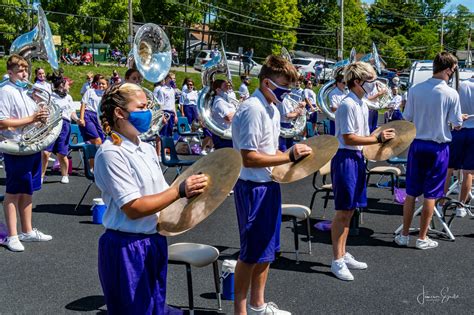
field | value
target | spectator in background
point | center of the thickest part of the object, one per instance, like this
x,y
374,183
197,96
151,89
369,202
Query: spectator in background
x,y
66,56
247,61
318,69
86,57
115,78
174,56
243,89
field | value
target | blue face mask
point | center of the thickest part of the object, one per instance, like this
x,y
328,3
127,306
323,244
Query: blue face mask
x,y
99,93
172,84
141,120
22,84
279,92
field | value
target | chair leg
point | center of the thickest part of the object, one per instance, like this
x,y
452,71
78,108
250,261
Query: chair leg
x,y
190,288
311,204
308,223
217,283
326,201
367,181
83,196
392,181
295,233
166,168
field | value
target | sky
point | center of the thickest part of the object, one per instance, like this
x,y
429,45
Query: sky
x,y
453,3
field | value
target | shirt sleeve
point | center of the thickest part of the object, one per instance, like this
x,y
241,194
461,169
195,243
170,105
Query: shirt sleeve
x,y
222,109
181,99
346,118
333,101
409,108
454,114
114,177
85,97
250,131
5,106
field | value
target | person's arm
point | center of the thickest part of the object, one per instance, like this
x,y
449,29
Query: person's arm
x,y
229,117
353,139
455,116
251,158
81,121
14,123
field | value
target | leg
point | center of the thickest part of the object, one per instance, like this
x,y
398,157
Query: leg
x,y
44,160
426,215
10,204
259,279
243,275
64,162
97,142
340,231
466,186
408,209
25,208
447,183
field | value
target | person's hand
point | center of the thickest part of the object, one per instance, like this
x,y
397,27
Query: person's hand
x,y
195,184
41,115
175,119
81,122
465,116
387,134
300,151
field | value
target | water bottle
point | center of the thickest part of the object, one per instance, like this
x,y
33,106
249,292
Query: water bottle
x,y
98,210
227,276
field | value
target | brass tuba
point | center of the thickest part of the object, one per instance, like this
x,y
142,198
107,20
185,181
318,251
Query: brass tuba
x,y
151,56
35,137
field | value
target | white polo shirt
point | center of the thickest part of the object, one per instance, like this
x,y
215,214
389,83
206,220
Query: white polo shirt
x,y
220,109
395,102
336,96
310,95
45,86
285,108
66,105
86,86
256,127
92,99
156,90
244,91
431,106
124,173
466,98
166,97
189,98
15,103
352,117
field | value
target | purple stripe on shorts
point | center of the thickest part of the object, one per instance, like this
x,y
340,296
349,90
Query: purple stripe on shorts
x,y
61,145
23,173
258,208
348,179
427,168
461,149
132,272
92,129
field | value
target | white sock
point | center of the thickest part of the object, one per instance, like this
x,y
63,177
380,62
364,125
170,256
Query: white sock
x,y
259,308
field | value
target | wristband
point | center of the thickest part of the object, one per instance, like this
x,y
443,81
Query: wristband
x,y
182,190
292,155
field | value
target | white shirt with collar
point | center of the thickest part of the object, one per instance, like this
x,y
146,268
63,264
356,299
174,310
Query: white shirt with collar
x,y
189,98
285,108
256,127
431,106
124,173
336,96
43,85
220,109
156,91
16,104
66,105
244,91
395,102
352,117
86,86
310,95
166,97
92,99
466,98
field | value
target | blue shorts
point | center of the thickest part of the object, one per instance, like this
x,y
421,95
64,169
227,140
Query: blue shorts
x,y
461,149
285,143
313,117
92,129
61,145
190,111
348,179
23,173
332,127
427,168
132,272
167,130
258,208
220,143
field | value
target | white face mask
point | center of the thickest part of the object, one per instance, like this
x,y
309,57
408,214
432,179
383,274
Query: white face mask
x,y
369,86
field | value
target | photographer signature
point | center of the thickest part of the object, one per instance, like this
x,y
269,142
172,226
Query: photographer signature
x,y
443,297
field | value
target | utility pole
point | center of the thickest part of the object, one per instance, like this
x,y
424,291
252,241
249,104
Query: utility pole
x,y
442,32
130,24
469,56
340,53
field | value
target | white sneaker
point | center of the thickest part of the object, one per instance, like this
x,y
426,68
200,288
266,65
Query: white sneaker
x,y
267,308
65,180
203,152
13,243
167,157
402,240
35,236
461,212
351,263
50,159
340,270
427,243
195,139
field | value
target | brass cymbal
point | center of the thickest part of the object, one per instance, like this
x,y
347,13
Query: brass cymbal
x,y
324,148
222,168
405,132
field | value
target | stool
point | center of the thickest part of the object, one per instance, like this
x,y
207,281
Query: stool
x,y
393,172
197,255
298,212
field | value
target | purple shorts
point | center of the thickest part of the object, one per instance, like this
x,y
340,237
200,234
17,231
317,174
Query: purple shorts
x,y
206,132
427,168
23,173
313,117
167,130
92,129
373,119
132,272
190,111
348,179
461,149
258,208
332,127
285,143
220,143
61,145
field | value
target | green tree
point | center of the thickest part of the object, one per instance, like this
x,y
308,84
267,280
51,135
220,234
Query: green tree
x,y
457,28
14,21
395,55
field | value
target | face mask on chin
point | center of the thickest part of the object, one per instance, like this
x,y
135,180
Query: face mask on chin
x,y
21,84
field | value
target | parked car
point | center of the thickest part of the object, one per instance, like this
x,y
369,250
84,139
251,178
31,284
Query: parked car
x,y
233,60
2,51
305,66
201,58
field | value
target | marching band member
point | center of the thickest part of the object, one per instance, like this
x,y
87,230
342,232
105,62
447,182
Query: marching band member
x,y
230,90
40,81
133,76
431,106
222,112
394,112
60,146
166,97
287,114
348,165
88,122
373,96
335,98
310,98
243,89
23,172
184,87
88,83
132,255
188,102
255,131
461,148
